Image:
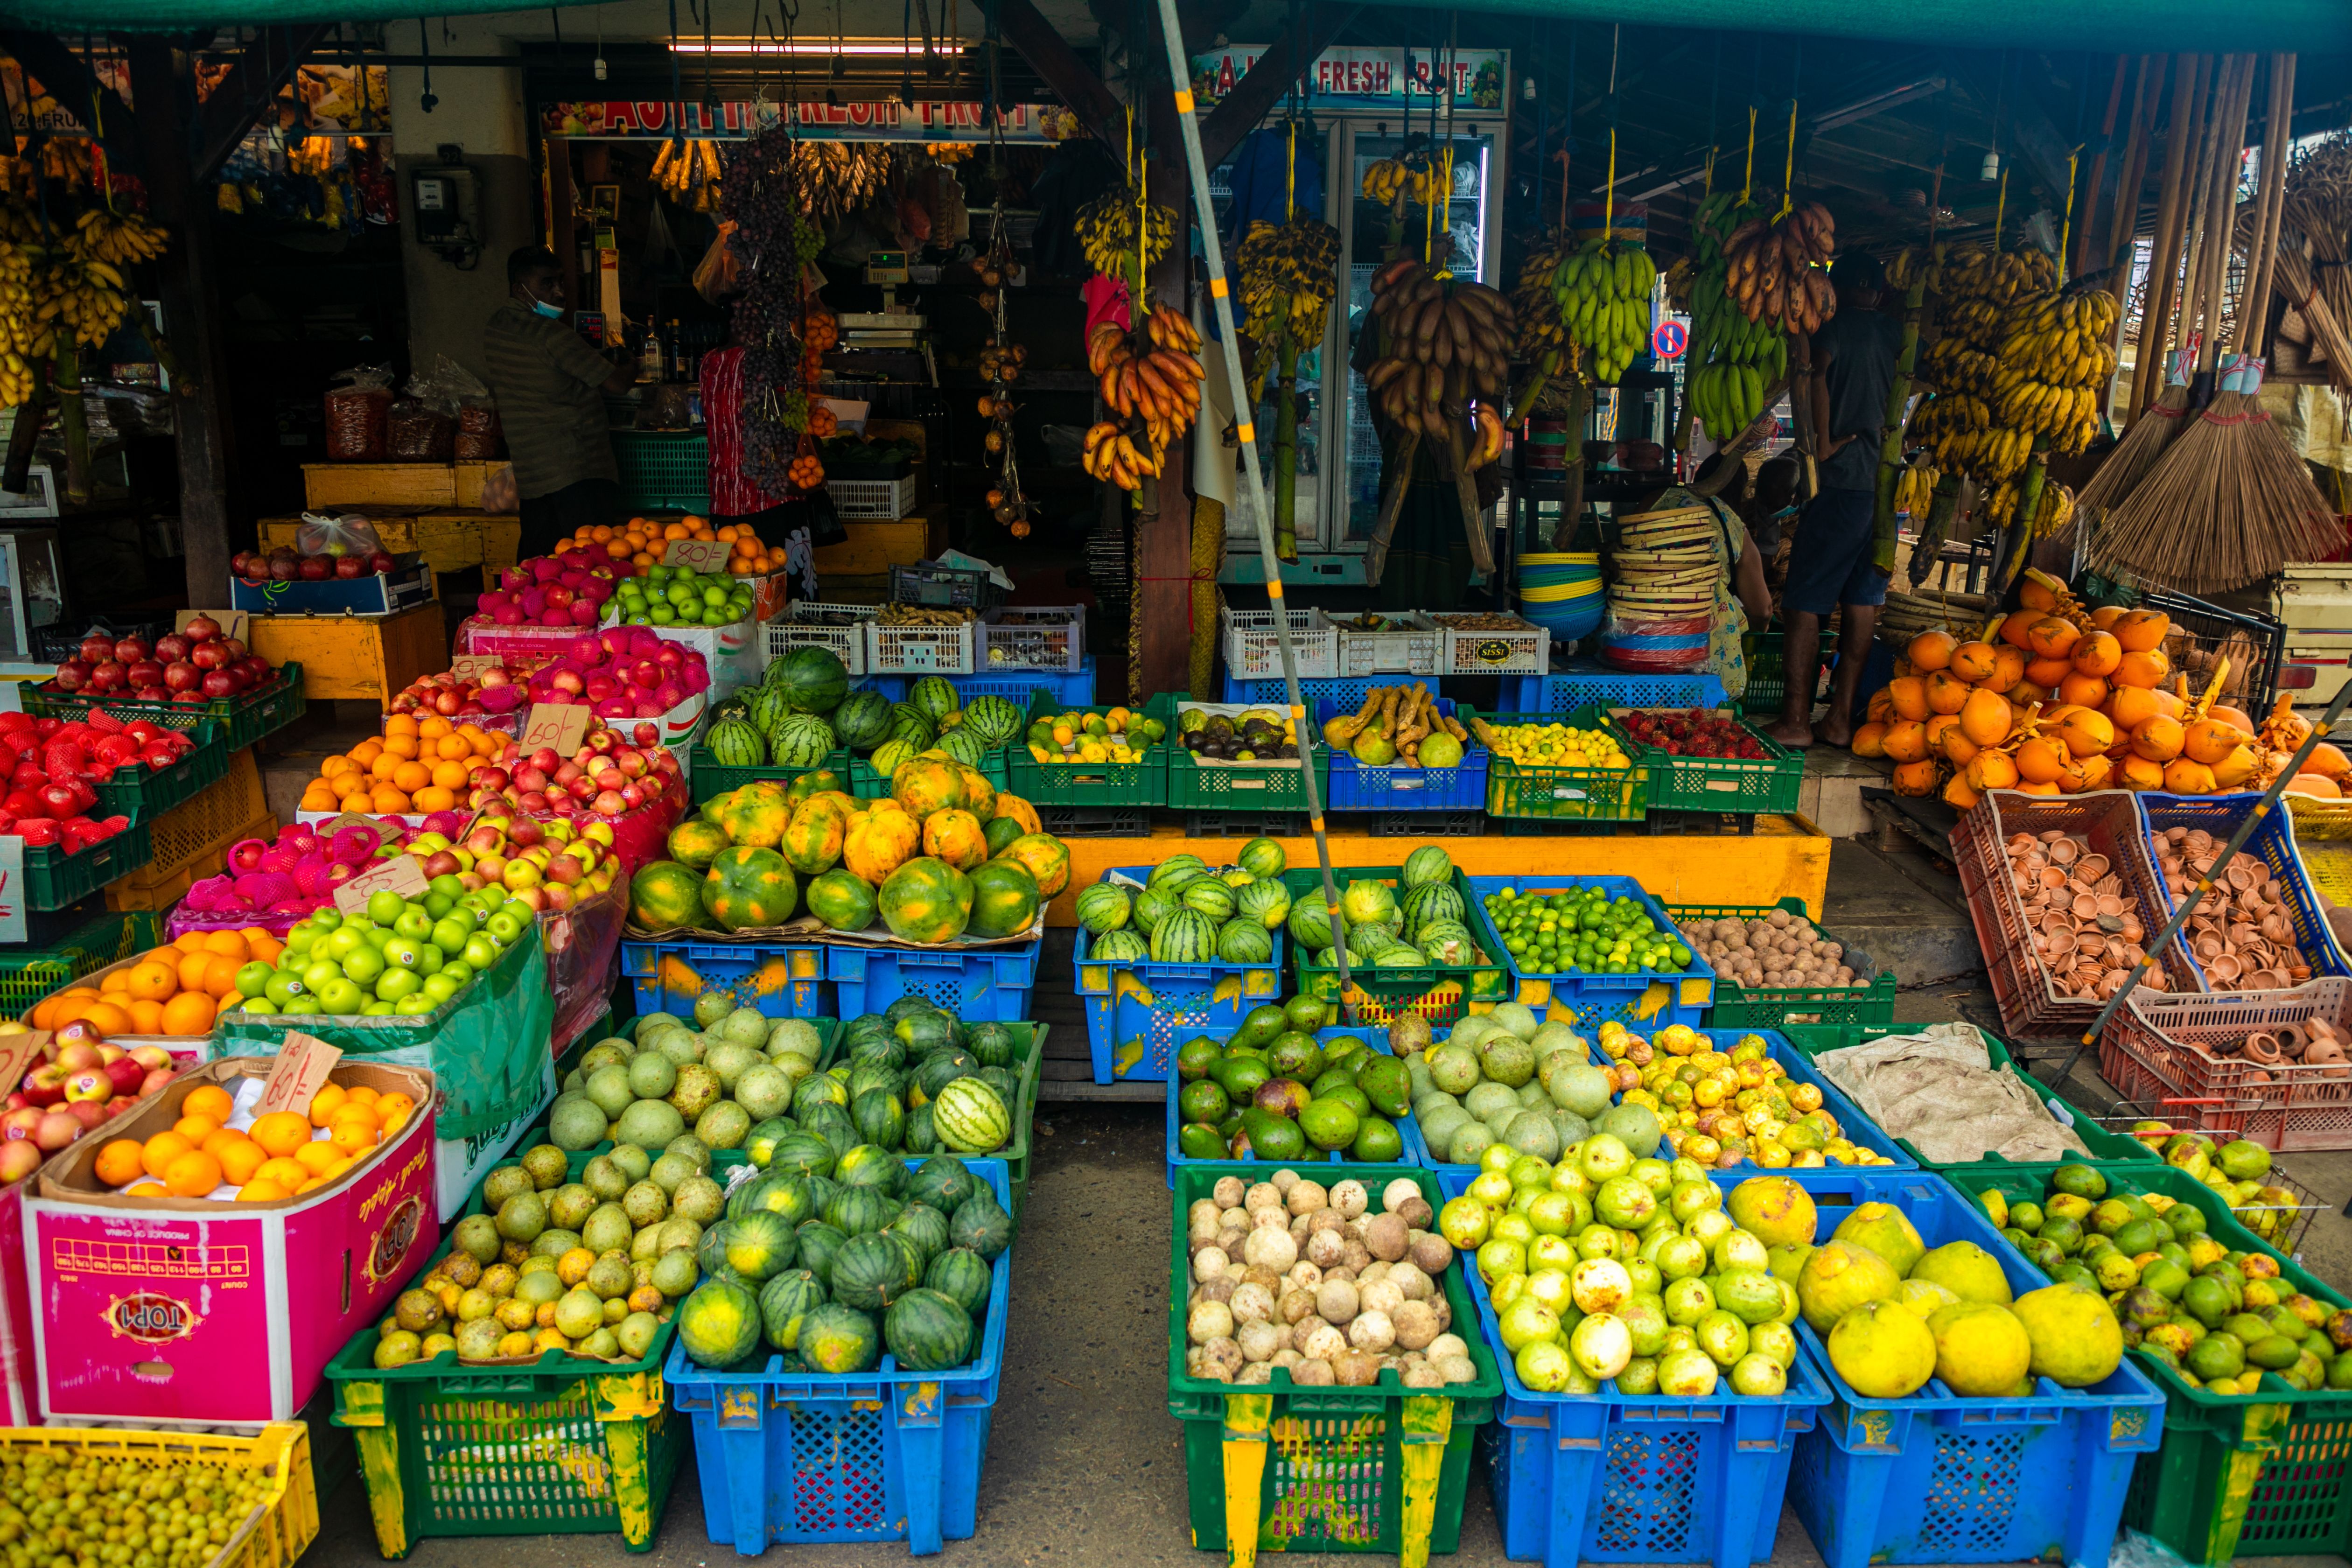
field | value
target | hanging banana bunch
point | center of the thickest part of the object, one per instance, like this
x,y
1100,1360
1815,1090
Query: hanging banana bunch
x,y
2055,366
2051,513
1778,267
1106,228
689,174
1288,274
1914,490
1542,342
1414,178
1736,357
115,238
1603,292
835,178
1150,379
1449,347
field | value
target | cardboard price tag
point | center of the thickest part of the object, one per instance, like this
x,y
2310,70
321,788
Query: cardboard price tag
x,y
402,874
474,666
18,1053
560,726
235,624
387,828
300,1073
698,554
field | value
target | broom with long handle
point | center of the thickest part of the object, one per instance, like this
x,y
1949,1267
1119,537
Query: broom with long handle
x,y
2327,334
2188,170
2228,503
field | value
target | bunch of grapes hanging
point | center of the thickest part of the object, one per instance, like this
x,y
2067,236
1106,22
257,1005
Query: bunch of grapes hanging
x,y
1001,362
785,330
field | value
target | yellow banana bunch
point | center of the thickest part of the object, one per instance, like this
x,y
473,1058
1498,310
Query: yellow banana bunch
x,y
2053,511
690,175
1603,293
834,178
1449,350
1778,268
1289,273
1152,380
115,238
1393,179
1107,229
1914,490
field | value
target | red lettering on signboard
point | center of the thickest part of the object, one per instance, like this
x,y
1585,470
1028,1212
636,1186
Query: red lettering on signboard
x,y
653,116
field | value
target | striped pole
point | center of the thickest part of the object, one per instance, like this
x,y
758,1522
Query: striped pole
x,y
1180,77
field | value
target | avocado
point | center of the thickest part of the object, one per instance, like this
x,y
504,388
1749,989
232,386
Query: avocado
x,y
1296,1055
1195,1142
1237,1075
1273,1137
1387,1084
1264,1022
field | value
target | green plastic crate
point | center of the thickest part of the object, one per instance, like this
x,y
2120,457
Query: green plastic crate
x,y
2257,1475
243,719
1767,672
27,974
663,470
1195,785
1325,1470
2107,1148
1740,786
708,777
142,792
1783,1006
562,1446
1443,993
53,878
1142,782
1564,795
866,784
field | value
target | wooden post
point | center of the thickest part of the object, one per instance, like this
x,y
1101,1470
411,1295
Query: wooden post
x,y
190,289
1163,587
2180,147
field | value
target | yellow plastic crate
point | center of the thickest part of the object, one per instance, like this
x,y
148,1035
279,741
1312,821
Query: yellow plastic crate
x,y
277,1531
191,838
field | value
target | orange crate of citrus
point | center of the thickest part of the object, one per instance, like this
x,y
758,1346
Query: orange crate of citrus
x,y
641,542
420,762
175,991
219,1148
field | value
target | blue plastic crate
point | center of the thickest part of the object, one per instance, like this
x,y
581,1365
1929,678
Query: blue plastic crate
x,y
980,985
1586,681
1313,688
1355,787
1135,1010
1613,1478
1076,686
1376,1038
2272,843
1858,1127
884,1455
1639,1002
784,982
1936,1477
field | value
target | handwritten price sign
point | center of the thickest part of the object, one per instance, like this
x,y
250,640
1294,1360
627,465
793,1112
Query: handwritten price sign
x,y
301,1072
560,725
698,554
18,1052
474,666
402,874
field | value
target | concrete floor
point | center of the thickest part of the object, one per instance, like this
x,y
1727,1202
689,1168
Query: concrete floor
x,y
1084,1464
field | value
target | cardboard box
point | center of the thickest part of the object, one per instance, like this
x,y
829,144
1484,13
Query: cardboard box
x,y
182,1312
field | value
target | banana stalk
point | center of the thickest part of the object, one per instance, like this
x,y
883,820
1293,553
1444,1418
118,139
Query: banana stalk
x,y
1890,450
1285,444
1571,502
1400,475
2017,545
74,419
1940,512
1466,489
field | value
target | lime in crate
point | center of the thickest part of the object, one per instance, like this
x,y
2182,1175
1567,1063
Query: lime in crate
x,y
1289,1466
1816,999
1545,769
1590,951
2257,1473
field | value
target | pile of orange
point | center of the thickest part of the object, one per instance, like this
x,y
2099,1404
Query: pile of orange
x,y
175,990
641,542
420,762
282,1157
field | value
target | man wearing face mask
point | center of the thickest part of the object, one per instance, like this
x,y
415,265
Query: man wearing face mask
x,y
550,384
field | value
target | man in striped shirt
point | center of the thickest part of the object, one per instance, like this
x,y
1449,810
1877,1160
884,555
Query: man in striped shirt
x,y
550,387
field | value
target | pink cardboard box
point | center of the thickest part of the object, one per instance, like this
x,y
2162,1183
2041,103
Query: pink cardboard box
x,y
185,1311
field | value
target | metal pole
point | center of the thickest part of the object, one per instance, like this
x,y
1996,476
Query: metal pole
x,y
1180,77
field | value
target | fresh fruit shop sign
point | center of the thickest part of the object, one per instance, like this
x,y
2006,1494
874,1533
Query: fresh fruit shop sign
x,y
885,120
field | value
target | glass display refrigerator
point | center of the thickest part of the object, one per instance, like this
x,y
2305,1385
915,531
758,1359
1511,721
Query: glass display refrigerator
x,y
1366,105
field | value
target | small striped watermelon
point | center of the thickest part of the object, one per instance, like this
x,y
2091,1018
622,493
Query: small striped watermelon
x,y
1105,907
799,741
734,744
970,1117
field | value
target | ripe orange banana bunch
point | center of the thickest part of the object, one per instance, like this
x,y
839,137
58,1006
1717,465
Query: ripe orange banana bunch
x,y
1150,378
1776,268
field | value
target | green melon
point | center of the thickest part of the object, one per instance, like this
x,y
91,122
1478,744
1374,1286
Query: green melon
x,y
1184,936
799,741
734,744
991,1045
1243,940
1209,897
812,679
1262,857
995,719
719,1324
760,1245
870,1272
1120,947
1105,907
871,1165
863,720
970,1117
935,697
981,1223
1176,867
1151,906
929,1331
880,1119
838,1340
786,1302
943,1183
963,1277
1427,866
820,1241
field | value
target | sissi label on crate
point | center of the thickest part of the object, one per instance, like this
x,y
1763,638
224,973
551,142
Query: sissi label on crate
x,y
558,726
402,874
14,927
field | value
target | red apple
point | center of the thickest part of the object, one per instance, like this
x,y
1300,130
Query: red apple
x,y
80,1055
156,1079
90,1112
18,1159
56,1130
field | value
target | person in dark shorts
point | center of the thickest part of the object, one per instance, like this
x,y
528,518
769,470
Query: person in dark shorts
x,y
550,387
1837,561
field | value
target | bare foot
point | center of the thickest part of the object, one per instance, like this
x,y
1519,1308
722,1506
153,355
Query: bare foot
x,y
1836,730
1795,736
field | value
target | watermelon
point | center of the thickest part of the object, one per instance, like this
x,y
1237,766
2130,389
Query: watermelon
x,y
786,1302
760,1143
770,708
1310,921
1103,907
921,1138
1262,857
981,1223
992,1045
710,1252
965,747
871,1165
881,1119
801,740
719,1324
1266,903
836,1340
1120,947
995,719
819,1242
890,756
802,1153
871,1077
785,1196
760,1245
913,725
866,1026
841,900
812,679
928,1331
970,1117
943,1183
1151,906
734,744
1185,936
1367,902
926,900
962,1276
1176,866
1425,902
1005,898
1209,897
924,1227
935,697
1447,942
910,1005
1242,941
870,1271
859,1211
940,1069
1000,832
863,720
832,1123
811,1092
1426,865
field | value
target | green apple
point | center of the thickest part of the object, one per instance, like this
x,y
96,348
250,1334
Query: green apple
x,y
326,917
429,958
283,988
441,987
252,977
378,935
439,904
481,951
317,975
461,971
340,945
376,1010
415,1003
396,984
448,887
404,952
413,922
364,966
341,997
257,1004
385,906
449,935
503,925
299,940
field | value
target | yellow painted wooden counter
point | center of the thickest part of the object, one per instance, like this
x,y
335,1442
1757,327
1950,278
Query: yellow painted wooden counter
x,y
1784,856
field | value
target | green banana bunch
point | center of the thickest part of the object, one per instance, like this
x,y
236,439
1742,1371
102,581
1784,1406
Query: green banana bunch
x,y
1603,292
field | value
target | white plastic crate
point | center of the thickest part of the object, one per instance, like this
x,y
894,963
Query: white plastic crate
x,y
806,626
1254,649
1407,646
886,499
1524,649
1033,637
921,650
